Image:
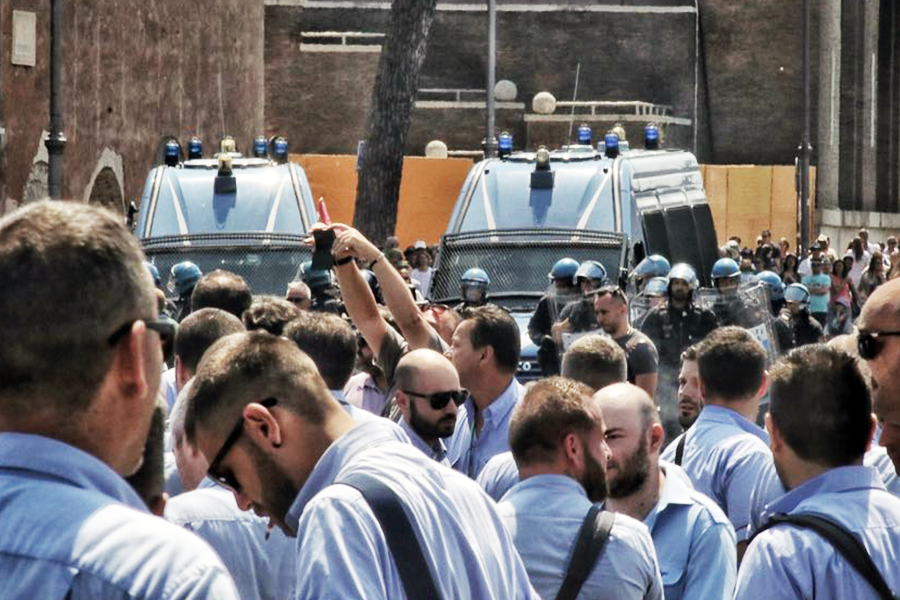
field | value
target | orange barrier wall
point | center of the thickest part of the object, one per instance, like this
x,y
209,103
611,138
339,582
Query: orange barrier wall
x,y
744,199
428,191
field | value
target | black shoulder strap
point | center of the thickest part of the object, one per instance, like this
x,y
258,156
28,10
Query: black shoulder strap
x,y
401,538
679,449
589,545
844,542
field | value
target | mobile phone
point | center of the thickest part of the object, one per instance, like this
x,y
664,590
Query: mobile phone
x,y
322,259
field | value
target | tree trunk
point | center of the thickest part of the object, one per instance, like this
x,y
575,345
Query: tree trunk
x,y
387,129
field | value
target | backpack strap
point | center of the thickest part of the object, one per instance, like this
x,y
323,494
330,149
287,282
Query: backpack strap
x,y
679,449
401,538
844,542
589,545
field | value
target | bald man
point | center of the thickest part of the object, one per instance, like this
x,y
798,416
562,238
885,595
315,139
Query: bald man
x,y
428,397
695,543
879,345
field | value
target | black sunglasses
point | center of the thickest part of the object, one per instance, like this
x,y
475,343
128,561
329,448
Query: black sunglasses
x,y
867,343
439,400
164,327
227,478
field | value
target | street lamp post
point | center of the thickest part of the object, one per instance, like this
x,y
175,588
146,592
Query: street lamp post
x,y
805,147
490,147
56,143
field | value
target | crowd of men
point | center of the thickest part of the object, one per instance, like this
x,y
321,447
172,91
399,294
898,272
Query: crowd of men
x,y
361,444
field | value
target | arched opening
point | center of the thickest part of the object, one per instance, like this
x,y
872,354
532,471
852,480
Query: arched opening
x,y
36,186
107,192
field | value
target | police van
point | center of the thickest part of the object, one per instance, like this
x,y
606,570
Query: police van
x,y
519,213
247,215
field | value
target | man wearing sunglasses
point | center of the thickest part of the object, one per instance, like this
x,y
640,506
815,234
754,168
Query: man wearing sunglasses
x,y
878,342
428,395
80,376
262,415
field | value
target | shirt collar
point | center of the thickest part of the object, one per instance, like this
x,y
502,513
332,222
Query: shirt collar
x,y
713,413
550,484
674,493
500,407
361,437
438,453
40,454
840,479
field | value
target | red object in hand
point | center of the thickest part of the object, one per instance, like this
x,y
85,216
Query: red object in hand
x,y
324,217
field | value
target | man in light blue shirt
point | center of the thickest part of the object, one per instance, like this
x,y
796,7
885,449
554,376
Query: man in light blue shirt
x,y
694,540
485,352
724,450
428,395
557,440
260,411
821,423
77,390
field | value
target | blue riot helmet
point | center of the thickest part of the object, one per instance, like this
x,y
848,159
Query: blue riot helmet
x,y
726,275
316,279
372,280
773,282
657,286
474,286
654,265
564,268
593,271
798,294
183,277
154,273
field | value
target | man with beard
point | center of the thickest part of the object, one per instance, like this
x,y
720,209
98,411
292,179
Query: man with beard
x,y
694,540
557,440
690,398
274,435
879,345
428,395
611,305
724,452
821,424
673,327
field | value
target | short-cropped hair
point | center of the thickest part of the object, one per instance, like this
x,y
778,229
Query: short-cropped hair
x,y
551,409
222,289
821,405
596,361
270,313
690,354
199,331
250,367
731,363
71,275
495,328
330,342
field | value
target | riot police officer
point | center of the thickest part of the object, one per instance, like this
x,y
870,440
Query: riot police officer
x,y
579,315
674,326
183,277
776,299
549,307
728,307
804,329
325,296
473,287
654,265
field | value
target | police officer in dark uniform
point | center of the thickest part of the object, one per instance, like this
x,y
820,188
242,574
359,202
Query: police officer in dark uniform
x,y
776,299
673,327
183,278
550,305
325,295
728,307
579,315
804,328
473,287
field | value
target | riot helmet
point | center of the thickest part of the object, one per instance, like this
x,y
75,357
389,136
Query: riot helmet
x,y
591,273
654,265
773,282
564,268
154,273
183,277
796,297
686,273
657,286
474,285
726,275
316,279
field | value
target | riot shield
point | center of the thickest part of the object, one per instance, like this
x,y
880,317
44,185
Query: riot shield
x,y
749,307
640,305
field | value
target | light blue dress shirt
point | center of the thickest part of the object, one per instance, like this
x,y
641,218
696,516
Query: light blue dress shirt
x,y
468,452
263,569
878,458
361,392
341,549
544,514
499,475
72,526
439,454
792,562
724,454
694,540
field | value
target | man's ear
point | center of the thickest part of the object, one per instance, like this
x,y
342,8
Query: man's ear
x,y
130,378
262,426
402,400
764,386
777,442
573,451
487,353
657,437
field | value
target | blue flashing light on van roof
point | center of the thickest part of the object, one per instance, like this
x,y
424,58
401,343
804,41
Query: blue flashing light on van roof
x,y
651,136
280,147
504,144
611,144
260,146
584,134
195,148
172,152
